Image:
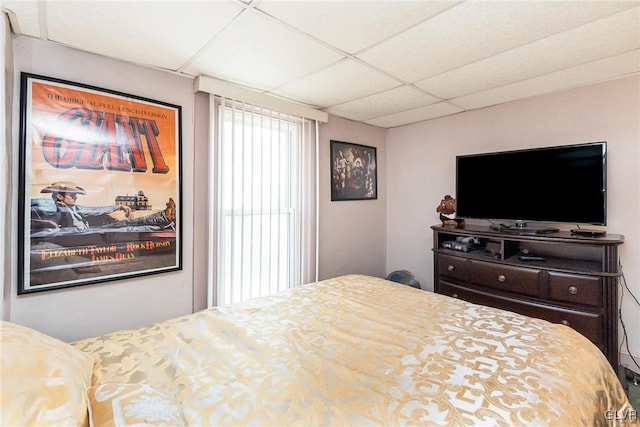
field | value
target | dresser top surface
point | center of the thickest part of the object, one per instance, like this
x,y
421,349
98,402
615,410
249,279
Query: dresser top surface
x,y
514,234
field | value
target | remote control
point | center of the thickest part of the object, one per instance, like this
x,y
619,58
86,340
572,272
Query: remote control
x,y
586,232
530,258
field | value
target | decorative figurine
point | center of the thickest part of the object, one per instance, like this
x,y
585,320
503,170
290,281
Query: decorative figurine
x,y
447,210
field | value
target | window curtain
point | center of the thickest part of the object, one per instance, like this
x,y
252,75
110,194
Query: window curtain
x,y
263,201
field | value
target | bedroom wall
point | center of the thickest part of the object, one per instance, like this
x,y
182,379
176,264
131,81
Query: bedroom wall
x,y
346,228
78,312
200,224
352,233
421,168
6,80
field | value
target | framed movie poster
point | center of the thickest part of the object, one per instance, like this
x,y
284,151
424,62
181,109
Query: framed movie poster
x,y
100,185
353,172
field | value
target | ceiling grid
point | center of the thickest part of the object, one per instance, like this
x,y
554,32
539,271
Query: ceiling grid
x,y
386,63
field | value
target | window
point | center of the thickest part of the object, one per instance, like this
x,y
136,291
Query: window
x,y
264,201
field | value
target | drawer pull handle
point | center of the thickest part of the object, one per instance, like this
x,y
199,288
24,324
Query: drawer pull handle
x,y
565,322
451,267
454,295
502,278
573,290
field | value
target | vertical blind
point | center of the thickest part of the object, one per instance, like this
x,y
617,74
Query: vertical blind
x,y
264,200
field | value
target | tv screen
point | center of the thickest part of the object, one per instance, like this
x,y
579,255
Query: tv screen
x,y
564,184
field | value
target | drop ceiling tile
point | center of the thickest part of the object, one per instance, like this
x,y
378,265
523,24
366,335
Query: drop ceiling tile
x,y
606,37
605,69
478,29
382,104
461,51
256,51
416,115
25,14
352,26
164,34
343,81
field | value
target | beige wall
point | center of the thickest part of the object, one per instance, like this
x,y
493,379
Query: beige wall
x,y
200,223
78,312
352,233
421,168
6,93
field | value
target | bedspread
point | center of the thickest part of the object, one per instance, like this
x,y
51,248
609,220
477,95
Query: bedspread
x,y
357,350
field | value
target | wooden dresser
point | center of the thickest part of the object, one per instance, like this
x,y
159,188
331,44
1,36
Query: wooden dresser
x,y
576,283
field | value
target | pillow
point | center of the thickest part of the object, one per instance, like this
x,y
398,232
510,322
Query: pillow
x,y
118,405
43,380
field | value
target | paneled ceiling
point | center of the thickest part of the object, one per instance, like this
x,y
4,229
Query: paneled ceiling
x,y
386,63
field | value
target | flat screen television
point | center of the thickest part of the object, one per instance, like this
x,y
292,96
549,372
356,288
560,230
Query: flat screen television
x,y
561,184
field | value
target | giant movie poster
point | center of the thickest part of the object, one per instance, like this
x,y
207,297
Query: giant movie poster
x,y
100,188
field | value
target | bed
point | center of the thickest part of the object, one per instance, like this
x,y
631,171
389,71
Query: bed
x,y
354,350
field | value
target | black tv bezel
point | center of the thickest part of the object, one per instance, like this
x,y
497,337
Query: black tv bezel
x,y
521,221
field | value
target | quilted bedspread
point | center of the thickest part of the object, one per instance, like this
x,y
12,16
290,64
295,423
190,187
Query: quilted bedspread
x,y
357,350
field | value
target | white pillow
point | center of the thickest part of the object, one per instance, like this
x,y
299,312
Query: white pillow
x,y
43,380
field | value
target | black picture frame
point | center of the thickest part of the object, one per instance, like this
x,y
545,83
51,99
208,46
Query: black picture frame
x,y
120,157
354,171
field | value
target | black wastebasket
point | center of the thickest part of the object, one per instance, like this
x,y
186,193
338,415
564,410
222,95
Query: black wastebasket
x,y
405,277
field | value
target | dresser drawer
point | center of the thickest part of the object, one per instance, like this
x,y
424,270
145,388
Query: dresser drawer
x,y
512,279
452,267
575,289
587,323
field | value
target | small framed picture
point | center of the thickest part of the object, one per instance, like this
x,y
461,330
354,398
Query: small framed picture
x,y
100,190
353,172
